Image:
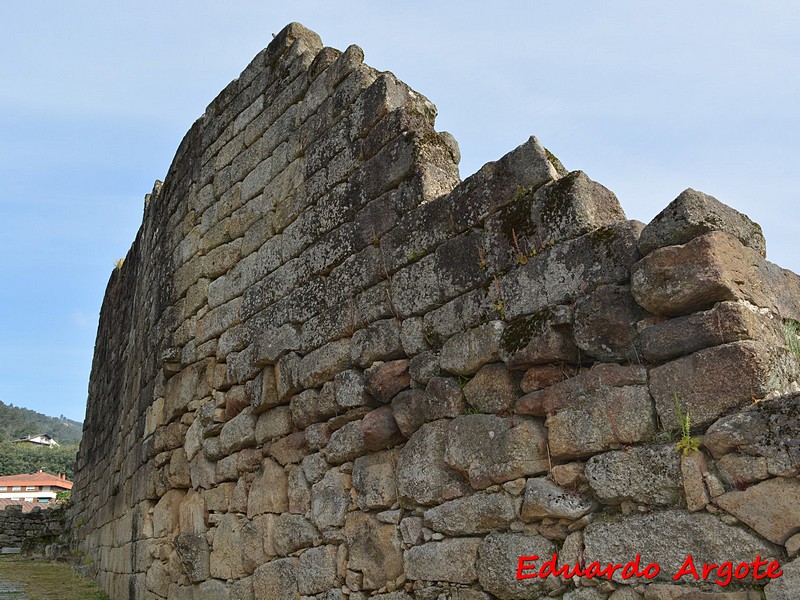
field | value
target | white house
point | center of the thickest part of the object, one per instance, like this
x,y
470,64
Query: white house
x,y
38,440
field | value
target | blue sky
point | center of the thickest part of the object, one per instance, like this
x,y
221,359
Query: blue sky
x,y
648,98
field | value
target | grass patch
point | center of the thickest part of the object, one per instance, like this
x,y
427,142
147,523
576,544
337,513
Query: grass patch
x,y
44,580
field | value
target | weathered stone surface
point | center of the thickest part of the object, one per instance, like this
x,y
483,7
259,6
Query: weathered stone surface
x,y
277,579
666,538
446,396
466,352
322,364
311,406
299,491
316,570
765,429
290,449
541,338
374,550
724,323
470,515
786,586
291,533
268,494
771,507
646,474
572,206
374,480
195,555
275,342
694,471
493,389
422,475
384,381
412,408
714,381
349,389
559,275
488,449
346,443
266,391
379,341
606,417
239,432
693,214
737,470
273,423
424,367
595,382
227,560
545,499
679,280
449,560
330,499
498,557
605,324
380,430
542,376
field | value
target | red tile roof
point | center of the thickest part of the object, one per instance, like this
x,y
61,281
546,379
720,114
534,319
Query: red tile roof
x,y
26,506
37,479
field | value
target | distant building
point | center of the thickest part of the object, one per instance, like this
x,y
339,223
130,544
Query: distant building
x,y
38,440
39,487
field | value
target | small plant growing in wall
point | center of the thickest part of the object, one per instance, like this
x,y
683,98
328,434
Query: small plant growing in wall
x,y
686,444
498,305
522,258
791,333
482,259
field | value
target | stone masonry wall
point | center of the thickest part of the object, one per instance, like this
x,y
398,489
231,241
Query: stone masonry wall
x,y
330,369
30,530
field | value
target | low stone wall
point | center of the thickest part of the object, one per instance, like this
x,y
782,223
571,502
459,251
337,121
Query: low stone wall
x,y
329,368
30,531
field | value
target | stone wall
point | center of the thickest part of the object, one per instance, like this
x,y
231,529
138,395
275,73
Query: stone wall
x,y
329,368
30,531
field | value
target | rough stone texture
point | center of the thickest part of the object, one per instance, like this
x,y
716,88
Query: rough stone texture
x,y
312,284
466,352
786,586
543,337
693,214
648,475
374,480
694,472
385,380
605,324
374,550
488,449
572,206
678,280
771,507
712,382
493,389
451,560
545,499
422,474
726,322
603,419
380,429
498,556
478,513
666,538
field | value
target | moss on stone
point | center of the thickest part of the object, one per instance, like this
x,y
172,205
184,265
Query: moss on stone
x,y
519,332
